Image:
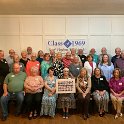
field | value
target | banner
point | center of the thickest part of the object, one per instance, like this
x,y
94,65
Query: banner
x,y
65,86
65,45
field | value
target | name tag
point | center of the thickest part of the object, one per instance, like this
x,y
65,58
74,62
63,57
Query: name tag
x,y
101,79
53,82
85,82
120,84
13,76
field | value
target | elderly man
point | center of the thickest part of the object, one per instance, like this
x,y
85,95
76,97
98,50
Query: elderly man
x,y
103,51
82,56
67,60
13,89
75,67
119,63
29,52
4,70
16,59
117,56
9,59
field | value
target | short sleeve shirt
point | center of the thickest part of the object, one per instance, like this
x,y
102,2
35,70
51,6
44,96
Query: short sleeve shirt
x,y
15,82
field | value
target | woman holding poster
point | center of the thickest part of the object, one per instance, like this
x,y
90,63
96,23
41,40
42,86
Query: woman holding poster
x,y
66,100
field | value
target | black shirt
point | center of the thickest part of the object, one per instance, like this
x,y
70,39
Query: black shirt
x,y
114,58
82,58
4,70
24,61
99,83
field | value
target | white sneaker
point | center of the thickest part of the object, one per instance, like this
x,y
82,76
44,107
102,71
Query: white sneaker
x,y
120,115
116,116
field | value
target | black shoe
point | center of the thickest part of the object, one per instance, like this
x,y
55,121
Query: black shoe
x,y
101,114
4,118
64,115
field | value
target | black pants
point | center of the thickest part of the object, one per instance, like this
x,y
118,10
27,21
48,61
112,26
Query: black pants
x,y
84,102
33,102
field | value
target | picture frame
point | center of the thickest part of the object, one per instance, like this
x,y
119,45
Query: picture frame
x,y
65,86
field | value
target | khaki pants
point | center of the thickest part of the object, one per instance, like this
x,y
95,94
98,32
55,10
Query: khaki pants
x,y
117,102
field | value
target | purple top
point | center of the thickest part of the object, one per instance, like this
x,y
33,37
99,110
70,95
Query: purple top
x,y
117,85
119,63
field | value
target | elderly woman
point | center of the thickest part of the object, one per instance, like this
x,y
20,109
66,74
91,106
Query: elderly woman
x,y
100,91
116,84
33,92
75,67
40,56
58,65
31,63
16,60
83,89
67,100
90,65
49,96
46,63
106,66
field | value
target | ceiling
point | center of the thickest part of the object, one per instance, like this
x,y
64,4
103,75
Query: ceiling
x,y
61,7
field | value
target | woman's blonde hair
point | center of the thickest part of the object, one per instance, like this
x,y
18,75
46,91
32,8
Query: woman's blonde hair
x,y
86,77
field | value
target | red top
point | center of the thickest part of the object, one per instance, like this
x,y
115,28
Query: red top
x,y
31,64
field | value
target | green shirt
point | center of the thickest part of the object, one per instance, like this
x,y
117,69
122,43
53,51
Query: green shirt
x,y
15,82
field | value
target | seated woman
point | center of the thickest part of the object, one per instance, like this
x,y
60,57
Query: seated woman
x,y
100,91
83,88
67,100
49,96
116,85
33,88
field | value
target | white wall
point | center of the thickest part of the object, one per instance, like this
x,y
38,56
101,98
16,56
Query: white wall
x,y
20,31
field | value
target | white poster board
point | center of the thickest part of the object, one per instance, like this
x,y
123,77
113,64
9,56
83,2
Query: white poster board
x,y
65,86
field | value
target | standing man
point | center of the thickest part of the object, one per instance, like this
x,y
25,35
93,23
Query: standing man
x,y
29,52
117,56
4,70
9,59
13,88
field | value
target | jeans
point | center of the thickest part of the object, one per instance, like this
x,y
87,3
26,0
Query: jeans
x,y
19,97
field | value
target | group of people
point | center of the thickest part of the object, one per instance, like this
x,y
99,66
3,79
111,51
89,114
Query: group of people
x,y
31,81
